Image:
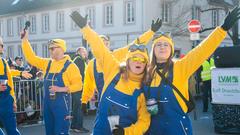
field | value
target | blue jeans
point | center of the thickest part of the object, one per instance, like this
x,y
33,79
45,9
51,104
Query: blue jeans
x,y
77,121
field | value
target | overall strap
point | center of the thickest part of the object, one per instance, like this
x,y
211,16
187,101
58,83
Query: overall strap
x,y
48,68
116,79
4,66
67,63
172,85
95,69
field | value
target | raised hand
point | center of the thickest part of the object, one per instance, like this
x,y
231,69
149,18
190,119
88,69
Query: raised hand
x,y
231,18
156,25
79,19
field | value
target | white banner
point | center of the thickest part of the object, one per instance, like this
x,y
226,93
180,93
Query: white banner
x,y
226,86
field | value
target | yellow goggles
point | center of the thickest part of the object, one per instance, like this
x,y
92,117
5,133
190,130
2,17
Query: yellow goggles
x,y
137,59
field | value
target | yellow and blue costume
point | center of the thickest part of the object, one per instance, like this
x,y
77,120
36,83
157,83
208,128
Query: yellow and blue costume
x,y
118,97
172,118
94,73
7,99
62,73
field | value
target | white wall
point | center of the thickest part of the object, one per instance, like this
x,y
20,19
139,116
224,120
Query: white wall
x,y
145,11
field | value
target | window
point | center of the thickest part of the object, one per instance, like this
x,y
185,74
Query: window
x,y
129,12
91,16
60,21
34,47
45,51
215,18
10,27
20,53
108,15
45,23
166,12
74,26
33,27
20,24
1,28
10,51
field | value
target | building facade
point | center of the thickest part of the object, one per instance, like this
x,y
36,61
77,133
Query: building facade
x,y
122,20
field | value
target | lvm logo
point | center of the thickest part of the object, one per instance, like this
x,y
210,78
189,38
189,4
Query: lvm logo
x,y
228,79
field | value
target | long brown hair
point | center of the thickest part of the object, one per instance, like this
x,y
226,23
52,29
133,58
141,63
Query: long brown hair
x,y
153,65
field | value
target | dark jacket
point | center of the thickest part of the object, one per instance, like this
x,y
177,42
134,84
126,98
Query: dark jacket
x,y
80,62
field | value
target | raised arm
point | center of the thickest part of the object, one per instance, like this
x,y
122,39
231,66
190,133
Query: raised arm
x,y
120,54
31,57
193,60
100,51
24,74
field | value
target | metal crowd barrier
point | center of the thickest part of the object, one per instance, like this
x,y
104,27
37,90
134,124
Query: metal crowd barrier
x,y
29,95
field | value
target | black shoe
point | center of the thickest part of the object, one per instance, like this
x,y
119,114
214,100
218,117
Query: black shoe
x,y
81,130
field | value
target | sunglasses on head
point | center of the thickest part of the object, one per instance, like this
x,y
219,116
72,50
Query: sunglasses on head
x,y
136,47
137,59
165,34
52,42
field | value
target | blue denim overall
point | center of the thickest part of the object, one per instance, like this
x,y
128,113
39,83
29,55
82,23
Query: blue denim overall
x,y
170,120
56,110
99,80
7,116
114,102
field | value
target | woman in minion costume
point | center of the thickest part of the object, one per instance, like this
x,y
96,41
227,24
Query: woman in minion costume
x,y
169,114
122,100
94,70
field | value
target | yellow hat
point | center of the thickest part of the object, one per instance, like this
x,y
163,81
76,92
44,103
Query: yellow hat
x,y
137,51
59,42
164,38
107,38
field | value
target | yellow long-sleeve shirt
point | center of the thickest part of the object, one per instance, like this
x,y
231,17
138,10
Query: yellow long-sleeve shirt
x,y
15,72
71,77
9,75
110,66
89,85
185,67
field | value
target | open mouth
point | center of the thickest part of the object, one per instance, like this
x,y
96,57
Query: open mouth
x,y
138,67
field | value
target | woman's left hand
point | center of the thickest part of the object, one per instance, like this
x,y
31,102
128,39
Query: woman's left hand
x,y
156,25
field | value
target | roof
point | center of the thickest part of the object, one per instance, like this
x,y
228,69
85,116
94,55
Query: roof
x,y
12,6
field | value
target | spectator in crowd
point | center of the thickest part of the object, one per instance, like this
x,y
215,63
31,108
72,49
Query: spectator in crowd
x,y
205,81
19,63
77,120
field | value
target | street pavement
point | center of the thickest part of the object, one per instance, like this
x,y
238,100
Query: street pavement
x,y
202,124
